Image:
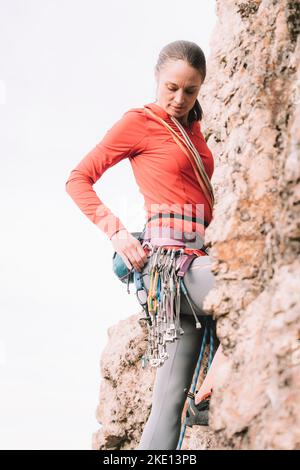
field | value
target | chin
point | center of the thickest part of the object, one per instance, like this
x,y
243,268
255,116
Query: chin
x,y
177,113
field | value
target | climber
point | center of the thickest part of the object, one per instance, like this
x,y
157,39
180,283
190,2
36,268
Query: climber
x,y
172,165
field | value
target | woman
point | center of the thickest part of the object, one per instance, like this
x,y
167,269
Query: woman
x,y
170,187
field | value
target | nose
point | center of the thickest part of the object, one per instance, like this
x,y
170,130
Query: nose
x,y
179,99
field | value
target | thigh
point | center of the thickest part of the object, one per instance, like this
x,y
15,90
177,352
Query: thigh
x,y
198,280
177,371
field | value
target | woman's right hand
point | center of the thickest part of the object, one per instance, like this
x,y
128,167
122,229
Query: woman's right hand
x,y
130,249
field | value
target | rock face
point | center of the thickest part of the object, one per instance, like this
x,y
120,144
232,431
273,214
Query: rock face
x,y
251,103
126,387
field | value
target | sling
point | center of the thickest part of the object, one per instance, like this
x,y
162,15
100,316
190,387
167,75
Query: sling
x,y
191,152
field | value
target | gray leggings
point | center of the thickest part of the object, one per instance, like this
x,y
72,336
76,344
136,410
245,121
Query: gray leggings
x,y
162,429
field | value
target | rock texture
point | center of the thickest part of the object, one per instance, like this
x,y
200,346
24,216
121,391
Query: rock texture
x,y
126,387
251,101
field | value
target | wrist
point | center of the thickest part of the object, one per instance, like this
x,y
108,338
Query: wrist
x,y
115,233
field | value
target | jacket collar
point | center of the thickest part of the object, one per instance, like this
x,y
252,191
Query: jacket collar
x,y
158,110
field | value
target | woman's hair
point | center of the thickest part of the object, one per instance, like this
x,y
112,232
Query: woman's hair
x,y
194,56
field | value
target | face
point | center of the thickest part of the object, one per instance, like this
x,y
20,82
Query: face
x,y
178,85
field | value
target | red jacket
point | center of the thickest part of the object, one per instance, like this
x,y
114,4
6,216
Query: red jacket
x,y
162,171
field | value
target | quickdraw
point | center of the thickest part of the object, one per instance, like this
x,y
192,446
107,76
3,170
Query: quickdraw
x,y
161,303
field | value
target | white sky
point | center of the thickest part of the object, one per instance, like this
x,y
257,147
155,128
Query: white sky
x,y
68,70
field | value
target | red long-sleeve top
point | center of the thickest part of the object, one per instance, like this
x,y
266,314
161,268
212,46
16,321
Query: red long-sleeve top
x,y
162,171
